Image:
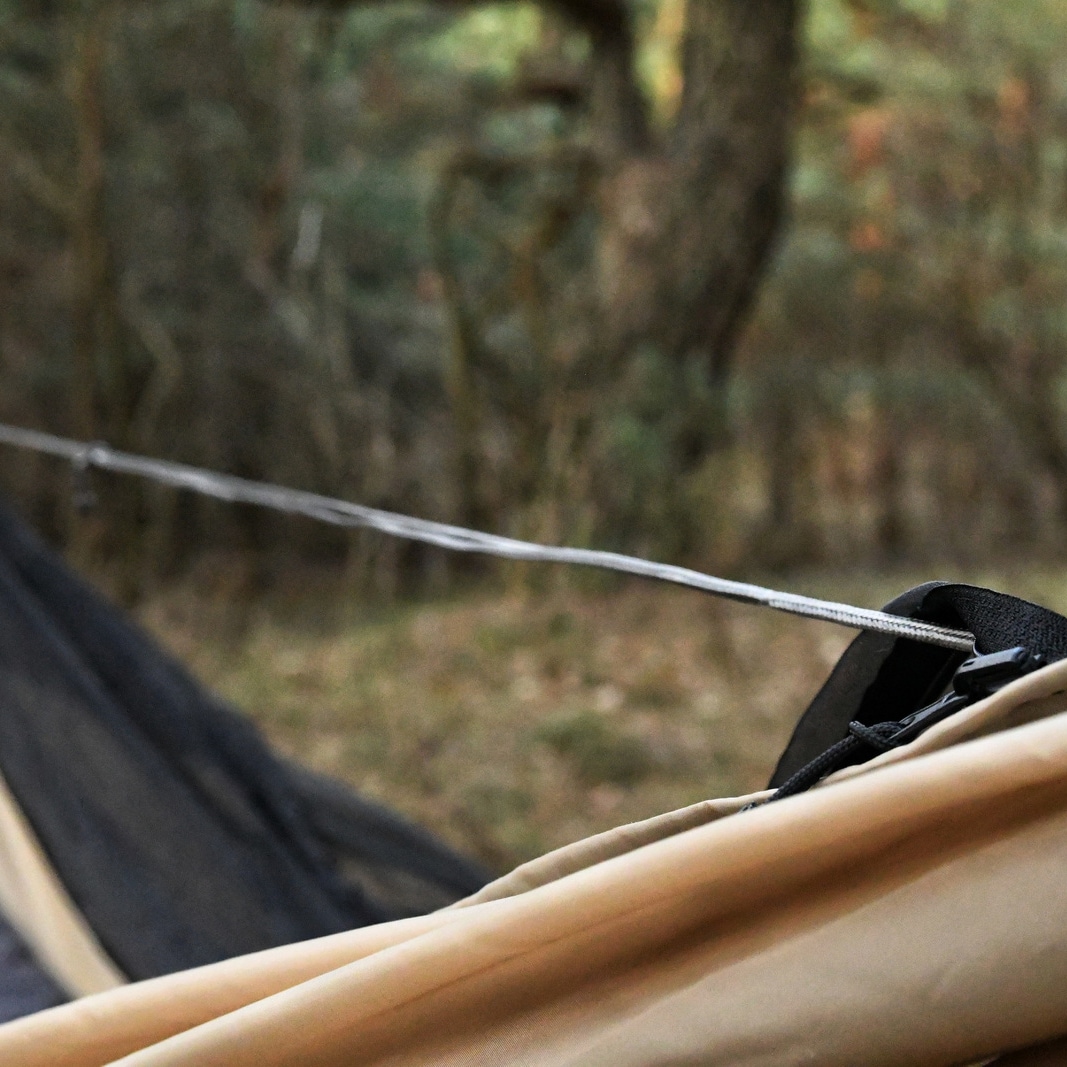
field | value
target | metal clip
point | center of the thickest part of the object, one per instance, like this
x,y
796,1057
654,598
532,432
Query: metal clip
x,y
975,679
83,495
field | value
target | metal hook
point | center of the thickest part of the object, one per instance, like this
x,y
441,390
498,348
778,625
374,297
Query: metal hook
x,y
83,494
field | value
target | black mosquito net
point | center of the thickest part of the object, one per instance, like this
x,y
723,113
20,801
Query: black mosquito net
x,y
24,986
181,837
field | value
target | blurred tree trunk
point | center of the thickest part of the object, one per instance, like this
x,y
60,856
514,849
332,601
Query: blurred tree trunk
x,y
727,166
95,302
689,216
100,403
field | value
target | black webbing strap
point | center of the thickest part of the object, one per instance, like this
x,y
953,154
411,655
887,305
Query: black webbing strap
x,y
881,678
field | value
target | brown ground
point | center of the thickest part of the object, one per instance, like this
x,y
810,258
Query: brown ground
x,y
512,724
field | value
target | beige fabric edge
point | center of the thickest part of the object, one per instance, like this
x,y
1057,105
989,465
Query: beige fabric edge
x,y
1037,696
605,846
95,1031
772,839
37,905
99,1029
816,890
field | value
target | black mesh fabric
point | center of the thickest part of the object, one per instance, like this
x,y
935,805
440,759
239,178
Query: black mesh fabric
x,y
181,837
24,986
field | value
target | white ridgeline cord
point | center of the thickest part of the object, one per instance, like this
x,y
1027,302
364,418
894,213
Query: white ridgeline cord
x,y
85,455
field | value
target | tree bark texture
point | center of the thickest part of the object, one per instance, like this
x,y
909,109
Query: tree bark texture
x,y
94,302
690,225
689,217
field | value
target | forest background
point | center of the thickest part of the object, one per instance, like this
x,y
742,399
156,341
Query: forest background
x,y
750,285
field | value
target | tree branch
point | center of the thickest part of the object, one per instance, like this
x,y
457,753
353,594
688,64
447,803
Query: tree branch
x,y
42,188
609,25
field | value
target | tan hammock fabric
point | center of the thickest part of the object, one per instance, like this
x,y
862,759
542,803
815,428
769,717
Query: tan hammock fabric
x,y
38,907
912,912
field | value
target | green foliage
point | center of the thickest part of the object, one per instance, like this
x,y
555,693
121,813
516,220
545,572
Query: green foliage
x,y
285,293
489,42
922,280
598,751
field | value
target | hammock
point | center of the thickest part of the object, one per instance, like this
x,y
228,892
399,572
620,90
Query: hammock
x,y
163,831
896,896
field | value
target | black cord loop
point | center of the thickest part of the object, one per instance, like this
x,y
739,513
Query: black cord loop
x,y
879,736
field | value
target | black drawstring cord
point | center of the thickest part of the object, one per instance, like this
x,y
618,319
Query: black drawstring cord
x,y
878,738
978,677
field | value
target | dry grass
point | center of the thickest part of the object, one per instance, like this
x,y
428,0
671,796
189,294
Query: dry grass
x,y
514,724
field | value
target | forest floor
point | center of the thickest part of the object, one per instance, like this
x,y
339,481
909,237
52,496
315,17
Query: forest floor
x,y
512,723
